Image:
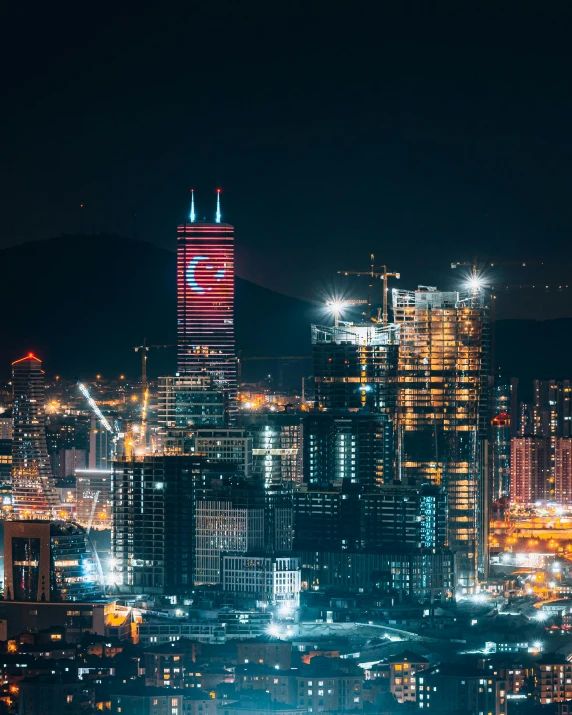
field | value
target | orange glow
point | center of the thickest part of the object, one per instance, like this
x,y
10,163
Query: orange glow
x,y
28,357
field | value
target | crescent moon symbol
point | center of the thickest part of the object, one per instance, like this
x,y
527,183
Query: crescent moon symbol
x,y
191,280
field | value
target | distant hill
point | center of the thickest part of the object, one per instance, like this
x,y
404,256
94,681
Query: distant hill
x,y
82,303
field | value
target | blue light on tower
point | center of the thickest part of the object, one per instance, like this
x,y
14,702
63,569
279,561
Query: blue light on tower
x,y
192,214
217,216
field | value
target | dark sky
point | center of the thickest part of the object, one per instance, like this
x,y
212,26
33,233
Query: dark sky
x,y
334,129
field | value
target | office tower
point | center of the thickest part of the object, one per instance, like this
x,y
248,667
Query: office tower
x,y
187,402
563,470
530,479
276,448
33,489
93,498
501,431
46,561
153,523
355,366
353,450
205,303
442,409
232,446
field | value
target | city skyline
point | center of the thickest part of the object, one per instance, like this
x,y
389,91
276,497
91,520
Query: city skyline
x,y
285,377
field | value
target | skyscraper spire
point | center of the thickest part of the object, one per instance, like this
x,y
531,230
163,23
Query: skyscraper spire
x,y
192,214
217,216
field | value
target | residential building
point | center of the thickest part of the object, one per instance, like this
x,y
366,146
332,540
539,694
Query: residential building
x,y
403,669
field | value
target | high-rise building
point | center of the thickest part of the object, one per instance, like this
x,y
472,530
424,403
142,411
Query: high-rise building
x,y
355,366
34,495
442,409
46,561
232,446
350,449
153,523
205,302
188,402
276,448
552,408
530,479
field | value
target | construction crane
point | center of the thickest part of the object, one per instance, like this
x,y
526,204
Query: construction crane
x,y
383,274
478,267
92,513
98,413
144,386
477,283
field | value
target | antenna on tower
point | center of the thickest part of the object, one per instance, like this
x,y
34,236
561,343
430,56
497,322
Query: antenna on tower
x,y
192,214
217,216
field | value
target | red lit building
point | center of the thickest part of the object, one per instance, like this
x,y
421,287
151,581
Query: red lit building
x,y
205,302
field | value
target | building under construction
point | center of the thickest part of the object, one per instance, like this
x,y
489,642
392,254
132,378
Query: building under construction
x,y
428,374
355,366
442,410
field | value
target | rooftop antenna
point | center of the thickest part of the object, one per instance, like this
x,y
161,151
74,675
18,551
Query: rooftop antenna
x,y
217,216
192,214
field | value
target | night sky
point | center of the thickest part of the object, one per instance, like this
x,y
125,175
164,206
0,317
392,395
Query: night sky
x,y
334,130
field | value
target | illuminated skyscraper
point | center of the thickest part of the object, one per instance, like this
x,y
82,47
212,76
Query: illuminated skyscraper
x,y
442,410
34,495
205,302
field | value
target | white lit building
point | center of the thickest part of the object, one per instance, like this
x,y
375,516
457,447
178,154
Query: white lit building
x,y
273,581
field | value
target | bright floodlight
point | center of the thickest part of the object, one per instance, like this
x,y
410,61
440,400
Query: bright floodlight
x,y
475,282
274,630
286,610
541,616
336,305
537,645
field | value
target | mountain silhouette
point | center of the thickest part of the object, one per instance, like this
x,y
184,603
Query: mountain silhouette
x,y
82,302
